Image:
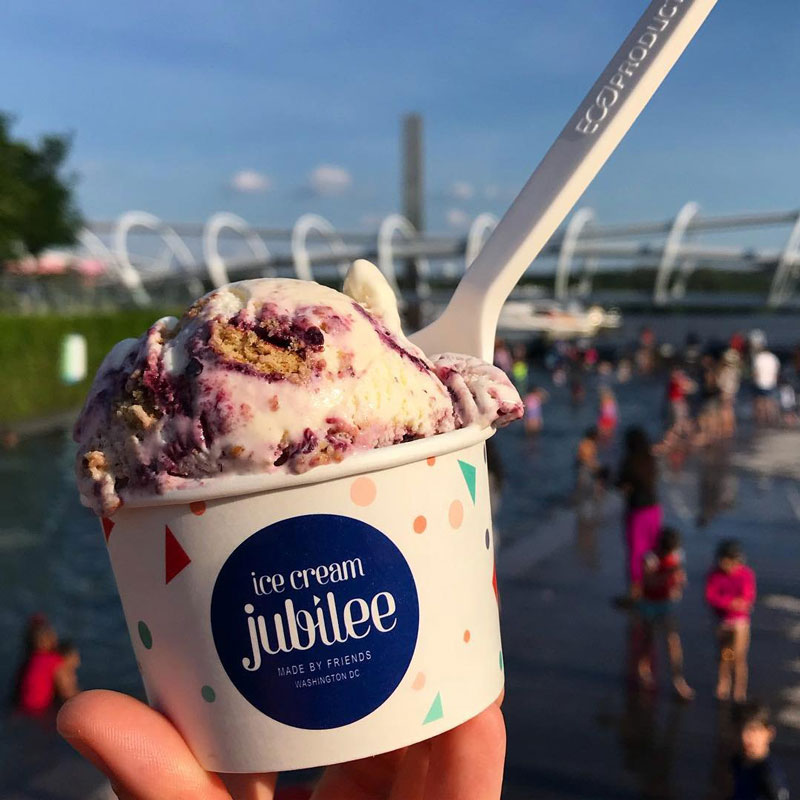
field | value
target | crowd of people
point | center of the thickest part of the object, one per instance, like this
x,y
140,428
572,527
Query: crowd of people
x,y
702,388
701,391
656,580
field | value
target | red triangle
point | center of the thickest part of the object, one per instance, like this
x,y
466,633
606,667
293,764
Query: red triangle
x,y
494,584
175,558
108,524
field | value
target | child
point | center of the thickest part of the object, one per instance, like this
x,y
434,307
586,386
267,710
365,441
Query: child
x,y
756,776
731,593
607,418
519,367
787,399
588,483
46,673
533,410
678,388
662,587
67,673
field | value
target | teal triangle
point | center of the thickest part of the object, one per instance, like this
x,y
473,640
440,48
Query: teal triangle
x,y
435,711
468,471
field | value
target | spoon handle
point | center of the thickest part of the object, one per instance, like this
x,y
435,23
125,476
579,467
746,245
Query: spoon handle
x,y
469,323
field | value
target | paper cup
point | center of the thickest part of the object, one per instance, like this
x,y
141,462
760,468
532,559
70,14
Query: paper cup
x,y
322,618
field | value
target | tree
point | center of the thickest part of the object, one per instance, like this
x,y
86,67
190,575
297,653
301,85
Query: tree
x,y
37,208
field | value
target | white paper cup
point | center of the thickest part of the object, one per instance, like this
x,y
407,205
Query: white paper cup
x,y
319,618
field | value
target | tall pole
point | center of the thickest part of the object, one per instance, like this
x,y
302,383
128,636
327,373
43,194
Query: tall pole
x,y
413,201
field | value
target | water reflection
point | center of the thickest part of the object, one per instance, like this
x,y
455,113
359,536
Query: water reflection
x,y
720,782
586,540
648,734
717,483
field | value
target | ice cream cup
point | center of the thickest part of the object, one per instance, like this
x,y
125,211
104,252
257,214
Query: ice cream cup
x,y
291,621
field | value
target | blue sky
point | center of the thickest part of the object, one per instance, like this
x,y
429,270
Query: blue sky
x,y
168,101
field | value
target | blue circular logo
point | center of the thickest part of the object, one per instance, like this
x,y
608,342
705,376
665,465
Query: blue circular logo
x,y
315,620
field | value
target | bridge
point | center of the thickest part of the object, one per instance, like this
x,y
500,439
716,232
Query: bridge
x,y
145,259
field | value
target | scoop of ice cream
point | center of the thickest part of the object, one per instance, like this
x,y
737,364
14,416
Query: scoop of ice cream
x,y
266,375
482,394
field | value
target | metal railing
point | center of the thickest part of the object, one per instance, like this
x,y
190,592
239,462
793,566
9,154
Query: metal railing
x,y
142,252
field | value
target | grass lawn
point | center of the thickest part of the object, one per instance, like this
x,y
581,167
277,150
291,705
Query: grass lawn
x,y
30,348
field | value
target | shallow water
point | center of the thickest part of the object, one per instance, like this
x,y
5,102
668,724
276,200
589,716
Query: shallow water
x,y
53,559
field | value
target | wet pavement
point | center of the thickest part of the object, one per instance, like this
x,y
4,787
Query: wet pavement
x,y
577,727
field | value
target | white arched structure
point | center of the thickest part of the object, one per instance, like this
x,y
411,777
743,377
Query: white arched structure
x,y
127,276
579,220
449,269
786,271
479,231
175,245
215,263
671,252
397,223
305,225
678,290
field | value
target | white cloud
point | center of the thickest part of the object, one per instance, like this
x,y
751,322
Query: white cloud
x,y
491,192
461,190
328,179
457,218
250,181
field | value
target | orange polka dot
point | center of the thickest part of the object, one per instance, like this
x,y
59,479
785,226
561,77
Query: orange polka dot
x,y
467,636
420,523
456,513
363,491
419,681
431,460
198,508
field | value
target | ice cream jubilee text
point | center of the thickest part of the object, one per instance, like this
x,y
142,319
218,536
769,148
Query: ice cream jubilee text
x,y
316,615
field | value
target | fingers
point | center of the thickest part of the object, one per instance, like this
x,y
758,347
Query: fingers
x,y
412,773
251,787
140,751
466,763
365,779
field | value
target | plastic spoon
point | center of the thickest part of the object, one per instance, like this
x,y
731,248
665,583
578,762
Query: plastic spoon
x,y
469,322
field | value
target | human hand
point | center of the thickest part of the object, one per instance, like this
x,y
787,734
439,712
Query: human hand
x,y
145,758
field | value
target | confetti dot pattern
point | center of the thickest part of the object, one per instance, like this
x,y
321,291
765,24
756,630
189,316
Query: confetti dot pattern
x,y
467,637
176,559
209,695
419,681
108,526
145,635
436,711
363,491
431,460
420,523
198,508
456,514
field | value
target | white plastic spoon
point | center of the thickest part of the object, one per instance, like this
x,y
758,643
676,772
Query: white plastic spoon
x,y
469,323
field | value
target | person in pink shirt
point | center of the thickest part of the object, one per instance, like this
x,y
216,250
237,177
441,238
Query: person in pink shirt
x,y
731,593
47,673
